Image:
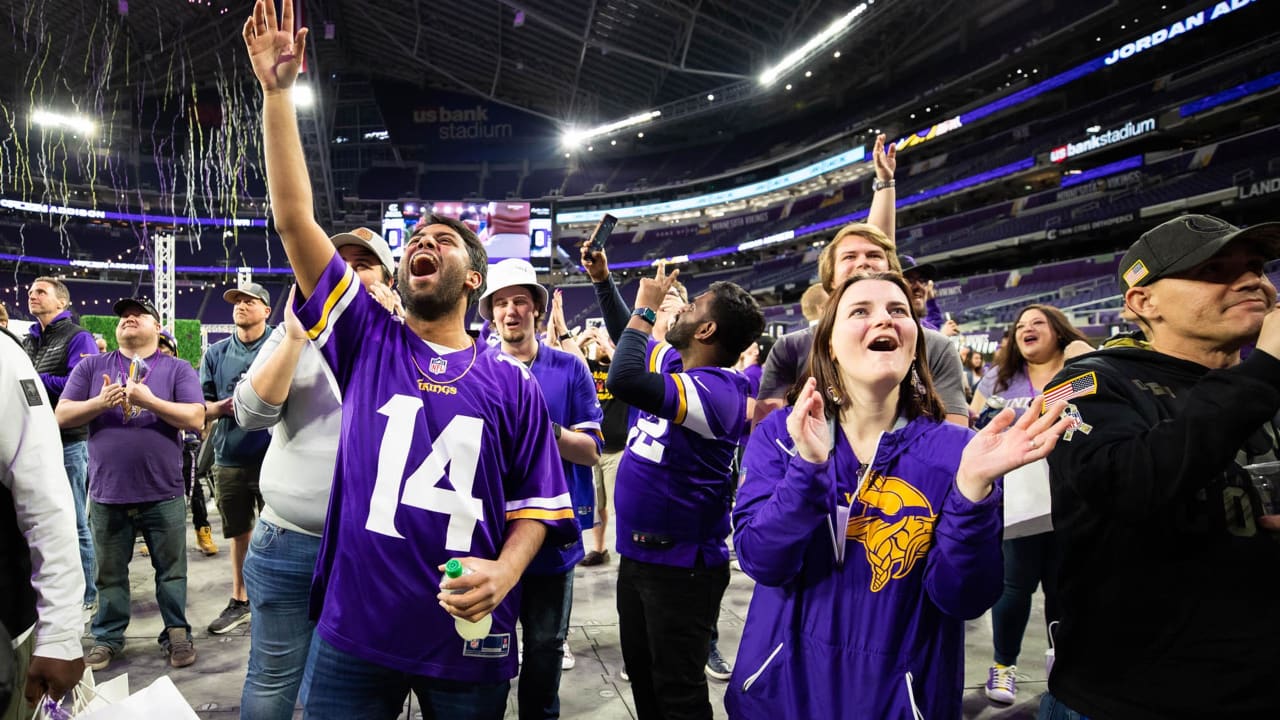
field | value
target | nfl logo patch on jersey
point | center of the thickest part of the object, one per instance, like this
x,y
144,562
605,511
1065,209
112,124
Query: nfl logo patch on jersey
x,y
437,366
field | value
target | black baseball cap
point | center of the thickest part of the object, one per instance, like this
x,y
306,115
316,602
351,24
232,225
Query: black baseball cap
x,y
928,271
142,304
1186,241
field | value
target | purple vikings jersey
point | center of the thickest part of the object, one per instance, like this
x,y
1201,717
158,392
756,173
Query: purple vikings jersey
x,y
675,479
571,399
439,454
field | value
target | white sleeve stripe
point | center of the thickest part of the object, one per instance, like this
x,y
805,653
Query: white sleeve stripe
x,y
340,307
588,425
695,417
554,503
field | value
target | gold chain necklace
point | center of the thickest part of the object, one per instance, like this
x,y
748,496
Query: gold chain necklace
x,y
428,378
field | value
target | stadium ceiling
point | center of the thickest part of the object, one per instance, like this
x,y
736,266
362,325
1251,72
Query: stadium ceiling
x,y
575,61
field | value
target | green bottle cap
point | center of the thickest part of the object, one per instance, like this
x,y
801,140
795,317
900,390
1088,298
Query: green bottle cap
x,y
453,568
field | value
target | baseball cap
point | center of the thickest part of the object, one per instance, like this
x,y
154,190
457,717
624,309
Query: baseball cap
x,y
509,273
251,289
928,271
142,304
1186,241
167,338
373,241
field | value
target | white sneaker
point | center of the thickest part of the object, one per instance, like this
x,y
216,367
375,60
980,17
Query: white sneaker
x,y
625,677
1002,686
567,661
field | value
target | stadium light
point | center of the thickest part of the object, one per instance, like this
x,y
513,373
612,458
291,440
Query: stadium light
x,y
813,46
303,96
575,137
78,123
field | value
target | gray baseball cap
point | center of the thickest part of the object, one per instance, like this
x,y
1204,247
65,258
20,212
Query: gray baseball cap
x,y
365,237
252,290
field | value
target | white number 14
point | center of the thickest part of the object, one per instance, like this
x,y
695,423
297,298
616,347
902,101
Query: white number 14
x,y
457,447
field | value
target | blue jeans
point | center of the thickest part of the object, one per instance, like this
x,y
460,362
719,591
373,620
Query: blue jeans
x,y
1028,561
75,459
545,602
114,528
1051,708
343,686
277,576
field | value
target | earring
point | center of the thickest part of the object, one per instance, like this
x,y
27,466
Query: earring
x,y
831,393
916,383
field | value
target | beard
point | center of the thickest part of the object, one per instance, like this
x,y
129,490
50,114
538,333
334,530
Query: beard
x,y
515,335
680,334
434,303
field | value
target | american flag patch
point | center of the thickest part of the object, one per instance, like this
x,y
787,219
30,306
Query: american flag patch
x,y
1135,273
1079,386
437,366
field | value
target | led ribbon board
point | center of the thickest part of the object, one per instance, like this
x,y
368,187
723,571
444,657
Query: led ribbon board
x,y
835,162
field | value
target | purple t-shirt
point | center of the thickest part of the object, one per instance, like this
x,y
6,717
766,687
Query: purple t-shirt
x,y
1018,395
675,479
139,458
439,453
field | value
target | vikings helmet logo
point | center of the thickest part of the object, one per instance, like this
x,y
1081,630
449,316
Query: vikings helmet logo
x,y
895,527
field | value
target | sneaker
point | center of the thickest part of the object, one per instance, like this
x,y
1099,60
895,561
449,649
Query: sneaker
x,y
204,541
596,558
144,551
625,677
717,668
236,614
567,661
1002,686
99,657
179,648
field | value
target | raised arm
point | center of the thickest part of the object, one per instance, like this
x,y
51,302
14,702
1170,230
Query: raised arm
x,y
612,306
884,213
276,53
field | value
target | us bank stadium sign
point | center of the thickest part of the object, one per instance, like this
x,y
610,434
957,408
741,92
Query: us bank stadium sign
x,y
1097,141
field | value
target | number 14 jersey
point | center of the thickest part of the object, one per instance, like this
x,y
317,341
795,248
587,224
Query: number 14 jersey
x,y
439,452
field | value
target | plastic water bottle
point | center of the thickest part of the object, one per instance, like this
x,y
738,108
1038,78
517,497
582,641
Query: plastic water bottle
x,y
466,629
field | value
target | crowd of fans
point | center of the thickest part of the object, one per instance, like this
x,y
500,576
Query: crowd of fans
x,y
881,484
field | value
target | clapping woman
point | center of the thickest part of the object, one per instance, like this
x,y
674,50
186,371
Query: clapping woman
x,y
871,527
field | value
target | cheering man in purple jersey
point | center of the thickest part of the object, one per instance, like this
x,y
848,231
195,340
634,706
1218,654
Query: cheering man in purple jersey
x,y
675,484
446,451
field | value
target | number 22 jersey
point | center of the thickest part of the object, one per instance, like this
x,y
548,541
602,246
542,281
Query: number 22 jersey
x,y
440,450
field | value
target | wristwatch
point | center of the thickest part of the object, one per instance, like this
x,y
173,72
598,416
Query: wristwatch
x,y
566,336
879,185
646,314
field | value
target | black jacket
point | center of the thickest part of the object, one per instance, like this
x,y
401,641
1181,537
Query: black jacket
x,y
49,353
1170,592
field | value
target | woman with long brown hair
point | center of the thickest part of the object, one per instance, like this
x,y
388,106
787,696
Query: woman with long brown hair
x,y
1041,341
871,526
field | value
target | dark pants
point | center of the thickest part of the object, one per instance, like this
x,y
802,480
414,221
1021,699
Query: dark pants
x,y
545,602
665,618
342,686
114,528
1051,708
1028,562
195,488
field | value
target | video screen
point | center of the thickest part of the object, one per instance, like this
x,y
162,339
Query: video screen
x,y
508,229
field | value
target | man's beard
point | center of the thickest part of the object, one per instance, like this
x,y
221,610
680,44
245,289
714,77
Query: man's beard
x,y
514,336
436,303
679,334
